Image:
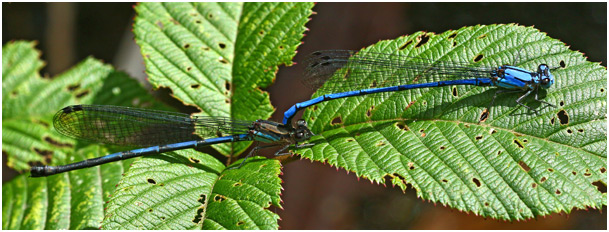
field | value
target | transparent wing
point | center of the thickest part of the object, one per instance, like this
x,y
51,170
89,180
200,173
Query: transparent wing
x,y
333,71
140,127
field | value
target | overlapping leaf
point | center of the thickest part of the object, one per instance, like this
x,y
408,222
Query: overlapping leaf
x,y
514,165
65,201
217,56
161,193
213,56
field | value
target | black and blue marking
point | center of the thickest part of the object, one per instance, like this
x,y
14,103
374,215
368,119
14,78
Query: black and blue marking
x,y
355,68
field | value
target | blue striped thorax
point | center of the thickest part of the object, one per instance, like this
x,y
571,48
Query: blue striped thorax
x,y
511,77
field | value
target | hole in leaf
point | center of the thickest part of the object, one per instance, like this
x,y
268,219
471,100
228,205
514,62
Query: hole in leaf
x,y
219,198
162,218
602,90
44,153
240,223
405,45
453,35
479,137
563,117
280,47
423,40
518,143
369,112
454,43
493,131
486,204
534,185
56,143
380,143
199,215
314,107
569,131
402,126
482,36
186,46
484,115
222,45
227,85
14,93
478,58
580,130
442,148
603,169
600,186
445,180
455,92
562,64
410,165
552,121
550,170
227,101
396,175
499,152
82,94
73,87
543,179
557,192
150,210
151,181
210,16
524,166
198,21
350,140
42,123
206,48
574,173
237,184
561,103
162,184
202,198
261,32
477,182
195,86
525,140
587,173
193,160
337,120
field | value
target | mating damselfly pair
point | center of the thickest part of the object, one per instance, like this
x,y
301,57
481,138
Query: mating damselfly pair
x,y
339,73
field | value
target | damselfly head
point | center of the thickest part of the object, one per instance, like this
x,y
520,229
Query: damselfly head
x,y
546,79
302,132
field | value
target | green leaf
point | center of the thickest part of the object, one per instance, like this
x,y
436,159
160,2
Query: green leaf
x,y
514,165
218,56
30,101
72,200
187,189
210,55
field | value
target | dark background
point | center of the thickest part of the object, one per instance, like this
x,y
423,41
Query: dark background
x,y
316,196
